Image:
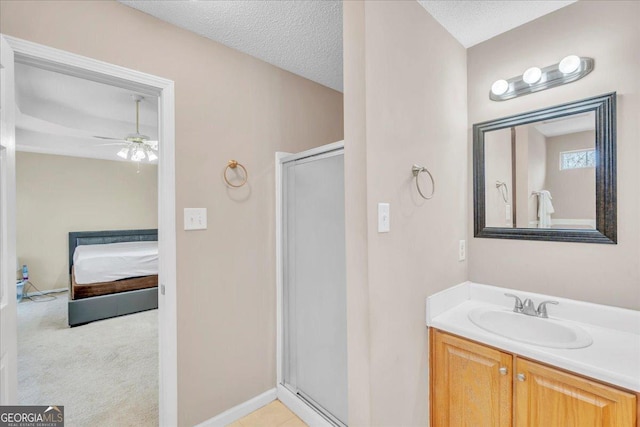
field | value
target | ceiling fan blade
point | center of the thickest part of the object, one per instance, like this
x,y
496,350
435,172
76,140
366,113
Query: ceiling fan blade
x,y
113,143
107,137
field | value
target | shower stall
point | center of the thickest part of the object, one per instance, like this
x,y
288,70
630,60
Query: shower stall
x,y
312,331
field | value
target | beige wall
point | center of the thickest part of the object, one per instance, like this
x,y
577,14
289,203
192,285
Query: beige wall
x,y
405,98
573,190
228,106
530,173
498,167
356,215
607,31
59,194
536,170
522,176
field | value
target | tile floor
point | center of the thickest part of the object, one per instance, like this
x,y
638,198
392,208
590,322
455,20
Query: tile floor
x,y
274,414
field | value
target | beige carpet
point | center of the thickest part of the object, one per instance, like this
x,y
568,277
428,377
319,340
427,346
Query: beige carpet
x,y
105,373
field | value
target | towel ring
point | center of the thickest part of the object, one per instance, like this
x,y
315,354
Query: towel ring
x,y
232,164
416,170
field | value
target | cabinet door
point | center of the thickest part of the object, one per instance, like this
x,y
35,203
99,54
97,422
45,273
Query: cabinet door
x,y
471,385
547,397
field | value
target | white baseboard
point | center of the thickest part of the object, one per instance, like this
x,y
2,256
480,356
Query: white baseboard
x,y
301,409
234,414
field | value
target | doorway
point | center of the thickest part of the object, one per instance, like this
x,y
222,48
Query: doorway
x,y
313,304
21,51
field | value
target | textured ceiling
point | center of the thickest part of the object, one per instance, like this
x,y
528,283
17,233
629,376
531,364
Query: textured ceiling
x,y
60,114
472,22
303,37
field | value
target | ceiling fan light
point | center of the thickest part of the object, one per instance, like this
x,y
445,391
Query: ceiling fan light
x,y
138,155
124,153
152,156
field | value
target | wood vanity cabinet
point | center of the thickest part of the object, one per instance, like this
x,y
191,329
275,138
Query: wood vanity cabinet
x,y
470,383
476,385
550,397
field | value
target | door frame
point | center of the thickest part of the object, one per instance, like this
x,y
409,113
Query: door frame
x,y
90,69
300,407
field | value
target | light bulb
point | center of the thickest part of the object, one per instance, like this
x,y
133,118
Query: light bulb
x,y
138,155
152,156
532,75
569,64
124,153
499,87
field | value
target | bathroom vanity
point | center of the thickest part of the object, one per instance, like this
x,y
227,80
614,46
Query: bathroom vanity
x,y
491,365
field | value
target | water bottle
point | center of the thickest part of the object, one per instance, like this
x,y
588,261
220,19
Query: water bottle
x,y
25,273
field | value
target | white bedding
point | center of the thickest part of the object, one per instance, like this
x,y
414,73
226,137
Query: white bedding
x,y
114,261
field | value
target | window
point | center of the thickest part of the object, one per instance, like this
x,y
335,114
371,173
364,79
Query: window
x,y
578,159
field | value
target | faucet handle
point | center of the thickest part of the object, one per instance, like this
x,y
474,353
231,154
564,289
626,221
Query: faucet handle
x,y
542,308
518,303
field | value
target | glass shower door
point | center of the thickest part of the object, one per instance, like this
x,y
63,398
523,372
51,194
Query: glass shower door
x,y
315,323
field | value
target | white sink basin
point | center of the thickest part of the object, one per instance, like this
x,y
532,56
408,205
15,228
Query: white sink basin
x,y
529,329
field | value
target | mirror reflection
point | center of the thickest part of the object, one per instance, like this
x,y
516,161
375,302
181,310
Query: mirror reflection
x,y
542,174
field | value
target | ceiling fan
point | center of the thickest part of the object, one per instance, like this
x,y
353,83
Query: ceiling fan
x,y
137,146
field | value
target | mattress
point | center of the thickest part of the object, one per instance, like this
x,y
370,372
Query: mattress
x,y
114,261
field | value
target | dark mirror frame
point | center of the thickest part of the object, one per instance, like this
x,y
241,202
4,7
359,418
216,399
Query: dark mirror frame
x,y
604,107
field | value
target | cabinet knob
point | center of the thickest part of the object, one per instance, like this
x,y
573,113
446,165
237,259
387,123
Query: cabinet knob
x,y
521,377
503,370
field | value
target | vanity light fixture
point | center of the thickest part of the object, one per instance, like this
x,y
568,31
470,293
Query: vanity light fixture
x,y
500,87
534,79
532,75
569,64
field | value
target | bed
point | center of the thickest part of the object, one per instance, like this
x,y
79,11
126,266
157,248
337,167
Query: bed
x,y
112,273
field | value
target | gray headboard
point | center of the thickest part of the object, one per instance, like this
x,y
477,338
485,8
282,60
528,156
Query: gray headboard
x,y
77,238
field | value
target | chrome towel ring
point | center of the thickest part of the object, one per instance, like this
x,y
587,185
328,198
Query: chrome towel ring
x,y
232,164
416,170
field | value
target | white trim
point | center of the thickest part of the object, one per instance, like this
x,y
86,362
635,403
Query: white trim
x,y
314,151
8,313
242,410
91,69
279,260
299,407
52,59
167,300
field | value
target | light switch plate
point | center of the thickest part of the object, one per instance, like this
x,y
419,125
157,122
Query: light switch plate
x,y
462,250
384,221
195,218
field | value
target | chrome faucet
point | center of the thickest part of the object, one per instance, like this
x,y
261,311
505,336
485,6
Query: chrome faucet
x,y
517,308
529,308
542,308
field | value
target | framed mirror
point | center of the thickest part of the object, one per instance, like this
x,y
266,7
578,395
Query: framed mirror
x,y
548,174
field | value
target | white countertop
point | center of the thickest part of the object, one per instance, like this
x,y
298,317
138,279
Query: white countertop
x,y
614,356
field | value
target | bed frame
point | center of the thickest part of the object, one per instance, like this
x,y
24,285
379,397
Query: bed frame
x,y
93,308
